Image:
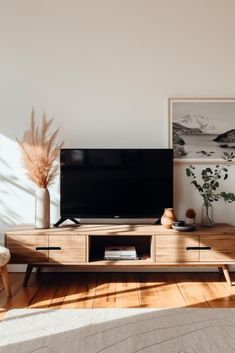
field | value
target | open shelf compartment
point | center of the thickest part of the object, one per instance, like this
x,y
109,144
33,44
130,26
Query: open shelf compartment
x,y
142,244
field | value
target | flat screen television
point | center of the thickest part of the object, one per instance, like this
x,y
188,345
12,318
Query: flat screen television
x,y
115,183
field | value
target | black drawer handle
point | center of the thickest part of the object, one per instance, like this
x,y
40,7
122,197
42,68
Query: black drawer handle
x,y
198,248
48,248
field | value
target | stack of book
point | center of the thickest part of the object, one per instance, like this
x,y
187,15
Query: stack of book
x,y
120,253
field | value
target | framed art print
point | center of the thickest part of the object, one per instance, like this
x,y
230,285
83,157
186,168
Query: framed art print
x,y
201,129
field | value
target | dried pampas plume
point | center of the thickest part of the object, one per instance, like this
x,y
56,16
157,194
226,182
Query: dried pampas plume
x,y
40,151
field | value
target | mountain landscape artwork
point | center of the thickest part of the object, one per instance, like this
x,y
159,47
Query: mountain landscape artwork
x,y
202,128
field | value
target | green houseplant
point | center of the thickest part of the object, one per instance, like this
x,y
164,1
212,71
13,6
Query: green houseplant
x,y
208,186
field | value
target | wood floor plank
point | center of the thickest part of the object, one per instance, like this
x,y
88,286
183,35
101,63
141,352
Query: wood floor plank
x,y
131,289
46,292
121,291
105,294
24,296
86,290
125,290
220,295
82,292
60,295
192,289
22,299
16,280
147,291
111,291
100,292
167,291
71,297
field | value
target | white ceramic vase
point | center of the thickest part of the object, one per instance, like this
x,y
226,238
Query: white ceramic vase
x,y
42,208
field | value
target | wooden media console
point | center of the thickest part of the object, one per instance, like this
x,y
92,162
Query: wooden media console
x,y
83,246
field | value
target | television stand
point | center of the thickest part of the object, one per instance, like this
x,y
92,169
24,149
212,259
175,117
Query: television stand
x,y
156,247
63,219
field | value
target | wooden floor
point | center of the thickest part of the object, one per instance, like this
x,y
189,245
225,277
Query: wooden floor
x,y
115,290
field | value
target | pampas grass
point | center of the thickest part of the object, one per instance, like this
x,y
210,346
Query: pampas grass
x,y
40,151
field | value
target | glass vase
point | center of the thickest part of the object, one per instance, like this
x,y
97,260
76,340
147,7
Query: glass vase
x,y
207,219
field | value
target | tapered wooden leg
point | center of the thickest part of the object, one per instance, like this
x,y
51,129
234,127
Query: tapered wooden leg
x,y
38,270
27,275
5,279
226,274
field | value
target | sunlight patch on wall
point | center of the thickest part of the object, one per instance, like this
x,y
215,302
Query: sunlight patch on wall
x,y
17,191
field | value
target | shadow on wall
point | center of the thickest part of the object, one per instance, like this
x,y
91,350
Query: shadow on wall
x,y
16,190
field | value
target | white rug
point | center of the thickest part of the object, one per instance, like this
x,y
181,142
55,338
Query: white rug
x,y
118,331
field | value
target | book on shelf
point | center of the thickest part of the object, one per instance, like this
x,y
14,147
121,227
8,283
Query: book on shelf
x,y
120,252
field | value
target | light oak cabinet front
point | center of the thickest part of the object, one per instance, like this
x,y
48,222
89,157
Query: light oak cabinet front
x,y
176,248
67,248
29,248
217,248
50,248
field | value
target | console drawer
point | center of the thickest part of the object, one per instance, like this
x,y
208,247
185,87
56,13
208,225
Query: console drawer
x,y
28,248
222,248
176,248
67,248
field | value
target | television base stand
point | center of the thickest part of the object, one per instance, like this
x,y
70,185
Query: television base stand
x,y
63,219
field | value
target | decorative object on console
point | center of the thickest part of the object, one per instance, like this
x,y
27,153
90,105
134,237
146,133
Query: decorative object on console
x,y
183,227
179,223
168,218
190,215
40,151
209,185
207,214
42,208
200,128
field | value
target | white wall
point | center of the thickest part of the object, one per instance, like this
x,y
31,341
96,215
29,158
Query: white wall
x,y
104,69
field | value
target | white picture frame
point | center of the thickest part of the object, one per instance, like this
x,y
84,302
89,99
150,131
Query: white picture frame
x,y
203,127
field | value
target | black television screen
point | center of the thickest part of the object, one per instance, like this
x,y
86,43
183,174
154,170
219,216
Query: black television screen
x,y
116,183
